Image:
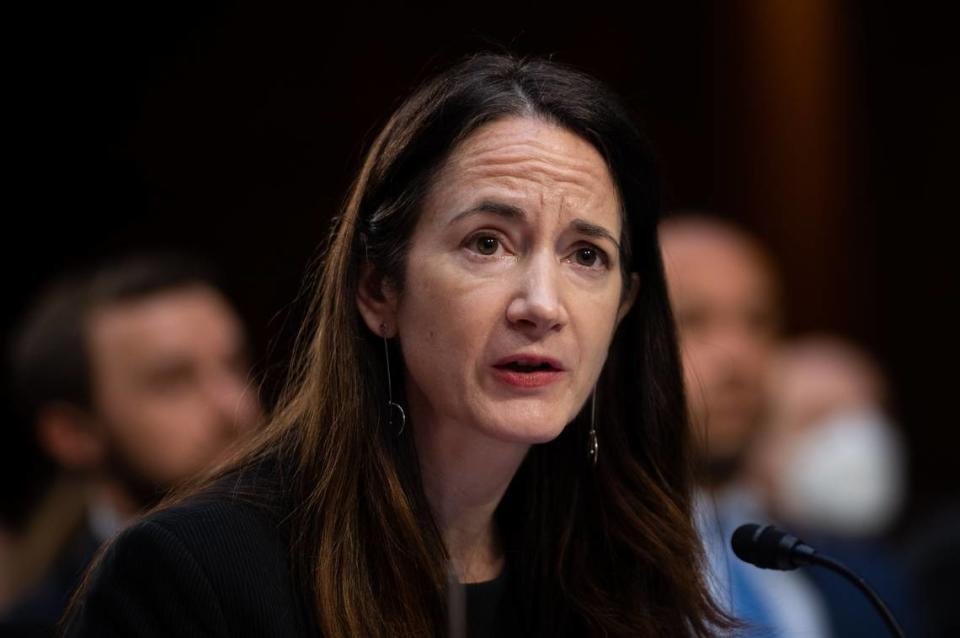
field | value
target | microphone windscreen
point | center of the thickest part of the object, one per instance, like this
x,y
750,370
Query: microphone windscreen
x,y
769,547
744,543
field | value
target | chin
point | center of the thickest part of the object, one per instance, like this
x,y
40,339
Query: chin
x,y
528,429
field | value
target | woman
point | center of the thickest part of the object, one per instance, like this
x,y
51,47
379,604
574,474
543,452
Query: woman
x,y
490,395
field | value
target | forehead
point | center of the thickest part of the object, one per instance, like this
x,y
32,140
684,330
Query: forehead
x,y
540,164
815,374
188,320
703,264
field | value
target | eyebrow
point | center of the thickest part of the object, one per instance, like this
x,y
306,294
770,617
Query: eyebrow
x,y
500,209
509,211
593,230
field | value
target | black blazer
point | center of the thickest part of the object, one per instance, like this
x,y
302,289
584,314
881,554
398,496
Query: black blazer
x,y
212,567
217,566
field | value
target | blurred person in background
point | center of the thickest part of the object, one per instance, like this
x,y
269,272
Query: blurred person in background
x,y
725,296
830,460
831,466
133,378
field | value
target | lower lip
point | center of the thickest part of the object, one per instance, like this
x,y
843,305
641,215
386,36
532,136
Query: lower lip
x,y
527,379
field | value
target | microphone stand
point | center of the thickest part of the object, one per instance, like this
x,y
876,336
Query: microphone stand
x,y
767,547
875,600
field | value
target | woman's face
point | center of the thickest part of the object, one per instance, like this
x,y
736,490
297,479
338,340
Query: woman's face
x,y
513,284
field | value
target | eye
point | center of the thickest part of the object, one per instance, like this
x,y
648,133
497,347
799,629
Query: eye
x,y
484,244
587,256
590,257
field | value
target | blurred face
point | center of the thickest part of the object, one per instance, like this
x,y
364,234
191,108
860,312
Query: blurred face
x,y
513,284
171,389
724,302
812,380
808,384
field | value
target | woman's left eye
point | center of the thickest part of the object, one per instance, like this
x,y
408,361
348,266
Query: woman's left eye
x,y
484,244
590,256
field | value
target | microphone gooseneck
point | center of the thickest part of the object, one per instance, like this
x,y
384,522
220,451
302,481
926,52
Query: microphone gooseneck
x,y
771,548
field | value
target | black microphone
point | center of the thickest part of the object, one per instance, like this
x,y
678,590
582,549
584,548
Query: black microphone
x,y
772,548
769,547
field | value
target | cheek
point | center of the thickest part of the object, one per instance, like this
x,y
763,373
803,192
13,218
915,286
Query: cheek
x,y
444,319
160,426
698,363
596,324
689,366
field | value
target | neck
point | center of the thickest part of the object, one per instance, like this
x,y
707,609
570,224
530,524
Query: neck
x,y
110,495
465,474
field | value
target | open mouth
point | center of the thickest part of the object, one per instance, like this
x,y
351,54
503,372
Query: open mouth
x,y
527,367
528,371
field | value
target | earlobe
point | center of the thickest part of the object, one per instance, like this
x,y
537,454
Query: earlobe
x,y
376,301
629,298
69,437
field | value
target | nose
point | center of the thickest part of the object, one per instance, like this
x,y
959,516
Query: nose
x,y
538,307
740,352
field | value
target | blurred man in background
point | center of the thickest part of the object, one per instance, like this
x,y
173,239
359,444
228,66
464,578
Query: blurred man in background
x,y
725,296
133,378
831,466
829,461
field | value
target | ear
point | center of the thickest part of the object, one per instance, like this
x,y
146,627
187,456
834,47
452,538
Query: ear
x,y
377,301
67,433
630,297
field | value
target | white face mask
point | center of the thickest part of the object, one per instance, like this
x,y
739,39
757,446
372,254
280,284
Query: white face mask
x,y
845,475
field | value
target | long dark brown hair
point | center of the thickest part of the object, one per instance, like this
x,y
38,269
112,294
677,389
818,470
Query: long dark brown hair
x,y
605,550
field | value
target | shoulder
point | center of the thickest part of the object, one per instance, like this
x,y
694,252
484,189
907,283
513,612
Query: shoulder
x,y
215,528
45,603
214,565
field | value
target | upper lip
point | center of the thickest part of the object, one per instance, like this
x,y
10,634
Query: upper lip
x,y
529,359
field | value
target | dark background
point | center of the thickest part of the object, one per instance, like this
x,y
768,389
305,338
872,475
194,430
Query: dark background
x,y
233,129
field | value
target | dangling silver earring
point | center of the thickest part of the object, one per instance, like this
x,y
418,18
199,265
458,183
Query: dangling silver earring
x,y
391,404
593,447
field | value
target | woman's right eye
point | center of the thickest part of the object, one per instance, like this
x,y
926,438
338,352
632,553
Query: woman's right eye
x,y
484,244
